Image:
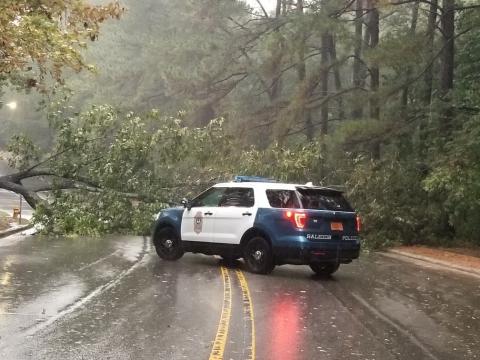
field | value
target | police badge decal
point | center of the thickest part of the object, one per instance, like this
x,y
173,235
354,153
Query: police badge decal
x,y
198,222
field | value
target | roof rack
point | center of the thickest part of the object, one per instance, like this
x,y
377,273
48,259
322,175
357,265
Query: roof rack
x,y
243,178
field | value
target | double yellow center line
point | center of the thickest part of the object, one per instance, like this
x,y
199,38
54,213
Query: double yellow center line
x,y
220,342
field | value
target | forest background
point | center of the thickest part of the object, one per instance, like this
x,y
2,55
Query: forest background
x,y
116,110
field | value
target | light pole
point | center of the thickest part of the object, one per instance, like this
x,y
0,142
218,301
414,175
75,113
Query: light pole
x,y
12,105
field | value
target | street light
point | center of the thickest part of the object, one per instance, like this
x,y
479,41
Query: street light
x,y
12,105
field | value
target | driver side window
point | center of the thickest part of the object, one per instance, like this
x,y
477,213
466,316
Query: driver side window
x,y
209,198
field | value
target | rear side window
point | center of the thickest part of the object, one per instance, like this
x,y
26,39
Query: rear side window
x,y
320,199
283,199
240,197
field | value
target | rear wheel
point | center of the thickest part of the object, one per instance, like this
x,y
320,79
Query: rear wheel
x,y
168,245
258,256
324,269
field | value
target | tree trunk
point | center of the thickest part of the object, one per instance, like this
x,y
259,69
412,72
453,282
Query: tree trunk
x,y
336,75
278,9
30,196
301,45
447,63
326,41
358,76
432,19
277,55
374,30
413,29
447,59
304,114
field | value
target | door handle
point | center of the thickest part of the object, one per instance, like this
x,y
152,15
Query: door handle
x,y
208,213
247,214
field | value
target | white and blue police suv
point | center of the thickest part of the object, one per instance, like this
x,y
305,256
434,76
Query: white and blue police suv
x,y
264,222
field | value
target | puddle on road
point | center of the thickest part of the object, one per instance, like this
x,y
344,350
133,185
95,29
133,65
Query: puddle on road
x,y
15,319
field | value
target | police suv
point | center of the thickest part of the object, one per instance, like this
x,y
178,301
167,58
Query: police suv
x,y
264,222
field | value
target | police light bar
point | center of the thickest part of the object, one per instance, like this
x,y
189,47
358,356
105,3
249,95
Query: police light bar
x,y
241,178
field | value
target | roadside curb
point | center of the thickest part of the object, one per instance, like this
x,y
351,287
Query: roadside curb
x,y
15,230
399,254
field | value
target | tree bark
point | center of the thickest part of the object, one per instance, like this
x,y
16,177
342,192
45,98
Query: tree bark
x,y
358,74
278,9
447,64
326,41
447,59
277,54
336,75
304,114
13,182
374,30
413,29
428,78
30,197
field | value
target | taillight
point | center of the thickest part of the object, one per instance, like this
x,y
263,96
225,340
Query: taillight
x,y
358,223
299,219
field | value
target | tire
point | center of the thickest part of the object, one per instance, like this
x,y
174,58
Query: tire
x,y
324,269
258,256
168,245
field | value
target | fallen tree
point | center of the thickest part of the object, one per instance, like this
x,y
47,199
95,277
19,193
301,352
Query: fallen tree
x,y
121,167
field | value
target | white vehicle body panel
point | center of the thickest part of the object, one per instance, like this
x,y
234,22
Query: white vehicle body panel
x,y
227,225
192,230
230,223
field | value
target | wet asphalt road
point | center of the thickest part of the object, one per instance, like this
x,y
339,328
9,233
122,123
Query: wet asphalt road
x,y
112,298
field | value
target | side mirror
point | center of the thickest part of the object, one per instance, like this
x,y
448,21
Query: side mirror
x,y
186,203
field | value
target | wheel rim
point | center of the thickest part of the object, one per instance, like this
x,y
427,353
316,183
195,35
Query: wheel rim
x,y
256,255
167,245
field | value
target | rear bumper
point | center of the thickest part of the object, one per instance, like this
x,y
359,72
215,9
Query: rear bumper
x,y
306,252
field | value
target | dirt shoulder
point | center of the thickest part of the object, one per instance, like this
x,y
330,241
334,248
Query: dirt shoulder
x,y
464,259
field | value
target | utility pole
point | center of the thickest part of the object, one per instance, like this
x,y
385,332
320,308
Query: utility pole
x,y
20,213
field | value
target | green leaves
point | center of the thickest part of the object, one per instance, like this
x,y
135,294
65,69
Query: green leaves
x,y
48,36
23,152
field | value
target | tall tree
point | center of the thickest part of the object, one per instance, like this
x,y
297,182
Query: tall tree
x,y
429,45
408,74
448,41
304,114
324,77
358,67
373,29
447,62
336,74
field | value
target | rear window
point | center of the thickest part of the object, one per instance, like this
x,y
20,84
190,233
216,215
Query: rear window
x,y
320,199
283,199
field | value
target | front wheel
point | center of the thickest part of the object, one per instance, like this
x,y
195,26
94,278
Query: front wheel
x,y
324,269
168,245
258,256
